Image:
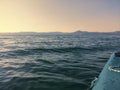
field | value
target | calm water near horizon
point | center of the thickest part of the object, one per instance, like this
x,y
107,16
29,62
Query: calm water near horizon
x,y
53,62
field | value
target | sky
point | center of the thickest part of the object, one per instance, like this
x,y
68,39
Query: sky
x,y
59,15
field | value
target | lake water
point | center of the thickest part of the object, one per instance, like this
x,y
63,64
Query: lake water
x,y
53,62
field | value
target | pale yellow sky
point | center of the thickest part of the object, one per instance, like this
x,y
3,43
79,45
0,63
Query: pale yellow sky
x,y
59,15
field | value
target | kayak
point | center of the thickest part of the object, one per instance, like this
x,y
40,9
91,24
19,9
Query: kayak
x,y
109,78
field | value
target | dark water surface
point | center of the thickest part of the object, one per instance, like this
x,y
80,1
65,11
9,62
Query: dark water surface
x,y
53,62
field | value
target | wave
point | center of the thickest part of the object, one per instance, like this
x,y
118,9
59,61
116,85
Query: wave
x,y
48,50
63,49
33,51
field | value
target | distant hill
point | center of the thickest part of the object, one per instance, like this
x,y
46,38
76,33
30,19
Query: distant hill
x,y
86,32
118,32
78,32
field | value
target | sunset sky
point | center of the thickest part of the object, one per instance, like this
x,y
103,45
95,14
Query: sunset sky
x,y
59,15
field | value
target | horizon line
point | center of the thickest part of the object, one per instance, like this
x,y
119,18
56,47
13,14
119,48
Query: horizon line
x,y
63,32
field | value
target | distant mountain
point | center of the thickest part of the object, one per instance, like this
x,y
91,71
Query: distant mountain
x,y
39,33
117,32
78,32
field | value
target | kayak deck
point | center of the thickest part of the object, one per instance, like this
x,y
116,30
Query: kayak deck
x,y
109,78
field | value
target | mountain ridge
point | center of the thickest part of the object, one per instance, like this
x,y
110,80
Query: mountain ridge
x,y
75,32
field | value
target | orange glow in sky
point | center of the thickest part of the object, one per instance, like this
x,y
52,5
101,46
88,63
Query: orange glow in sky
x,y
59,15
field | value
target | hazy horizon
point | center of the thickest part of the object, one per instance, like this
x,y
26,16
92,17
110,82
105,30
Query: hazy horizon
x,y
62,32
59,15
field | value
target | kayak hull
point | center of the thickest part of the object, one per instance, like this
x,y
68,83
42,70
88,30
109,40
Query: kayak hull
x,y
109,78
